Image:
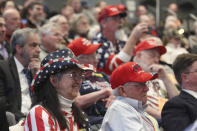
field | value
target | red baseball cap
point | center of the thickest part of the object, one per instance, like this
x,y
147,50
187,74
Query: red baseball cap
x,y
149,44
108,11
82,46
130,72
123,9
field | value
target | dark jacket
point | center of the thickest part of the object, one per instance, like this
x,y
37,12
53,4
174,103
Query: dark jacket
x,y
10,83
179,112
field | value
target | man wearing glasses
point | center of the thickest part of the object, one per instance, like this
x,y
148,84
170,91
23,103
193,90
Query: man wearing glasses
x,y
127,112
181,111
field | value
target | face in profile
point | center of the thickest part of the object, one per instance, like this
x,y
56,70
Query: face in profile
x,y
136,91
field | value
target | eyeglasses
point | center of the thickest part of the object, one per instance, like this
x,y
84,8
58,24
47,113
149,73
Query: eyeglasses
x,y
135,84
75,76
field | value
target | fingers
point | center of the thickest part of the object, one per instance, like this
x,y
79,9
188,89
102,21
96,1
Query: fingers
x,y
34,65
139,30
110,100
157,68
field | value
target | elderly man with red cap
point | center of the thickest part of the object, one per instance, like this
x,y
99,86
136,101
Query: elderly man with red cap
x,y
95,89
112,53
127,112
147,54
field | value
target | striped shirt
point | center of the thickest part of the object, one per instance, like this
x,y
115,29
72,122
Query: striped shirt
x,y
39,119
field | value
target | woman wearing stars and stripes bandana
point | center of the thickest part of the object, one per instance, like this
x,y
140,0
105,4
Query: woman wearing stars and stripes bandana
x,y
55,87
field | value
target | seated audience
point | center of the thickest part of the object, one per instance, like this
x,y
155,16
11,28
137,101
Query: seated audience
x,y
127,112
16,73
147,54
95,90
55,87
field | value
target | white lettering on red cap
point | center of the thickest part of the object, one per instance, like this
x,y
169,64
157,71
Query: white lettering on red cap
x,y
86,42
114,9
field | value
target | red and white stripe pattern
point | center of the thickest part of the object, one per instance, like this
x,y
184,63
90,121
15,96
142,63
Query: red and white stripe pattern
x,y
114,61
39,119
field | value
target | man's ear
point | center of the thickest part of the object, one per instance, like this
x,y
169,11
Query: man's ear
x,y
184,77
121,91
19,49
54,81
103,23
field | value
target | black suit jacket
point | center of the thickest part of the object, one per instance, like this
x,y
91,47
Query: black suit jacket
x,y
9,82
179,112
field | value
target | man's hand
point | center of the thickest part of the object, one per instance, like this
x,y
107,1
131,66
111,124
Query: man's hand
x,y
139,30
34,65
159,69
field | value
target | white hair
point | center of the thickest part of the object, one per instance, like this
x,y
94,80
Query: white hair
x,y
47,28
55,18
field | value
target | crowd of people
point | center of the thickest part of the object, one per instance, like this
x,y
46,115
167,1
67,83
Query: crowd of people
x,y
91,69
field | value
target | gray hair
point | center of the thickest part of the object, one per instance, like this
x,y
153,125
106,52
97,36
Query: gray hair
x,y
19,37
55,18
47,28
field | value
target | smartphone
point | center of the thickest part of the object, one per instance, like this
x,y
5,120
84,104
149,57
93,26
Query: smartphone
x,y
149,30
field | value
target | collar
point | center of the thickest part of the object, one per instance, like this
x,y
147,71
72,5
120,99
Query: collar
x,y
66,104
193,93
133,102
19,66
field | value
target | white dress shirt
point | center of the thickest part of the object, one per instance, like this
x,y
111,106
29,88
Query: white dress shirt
x,y
26,99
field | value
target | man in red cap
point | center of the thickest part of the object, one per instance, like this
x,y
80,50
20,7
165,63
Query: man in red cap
x,y
95,91
127,112
112,53
147,54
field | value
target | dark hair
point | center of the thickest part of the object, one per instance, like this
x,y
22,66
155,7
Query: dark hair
x,y
46,95
182,64
25,11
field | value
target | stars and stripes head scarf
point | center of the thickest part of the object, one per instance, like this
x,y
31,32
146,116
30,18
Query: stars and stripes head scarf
x,y
56,62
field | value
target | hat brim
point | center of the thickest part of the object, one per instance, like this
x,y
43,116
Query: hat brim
x,y
162,49
115,13
145,76
92,49
53,67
